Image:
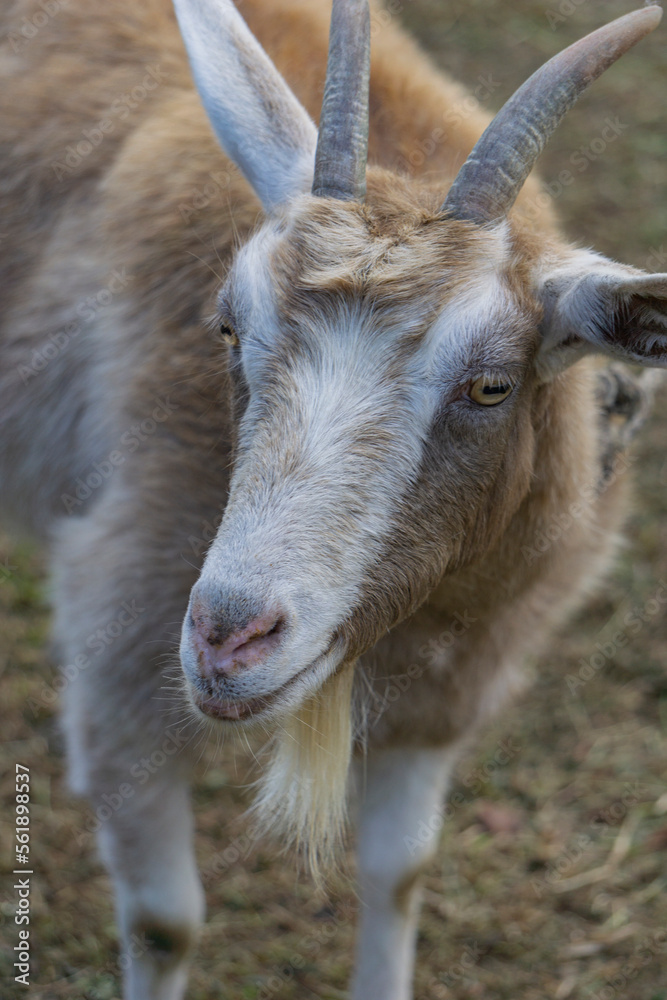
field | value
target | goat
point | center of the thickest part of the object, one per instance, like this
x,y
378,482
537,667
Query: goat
x,y
404,391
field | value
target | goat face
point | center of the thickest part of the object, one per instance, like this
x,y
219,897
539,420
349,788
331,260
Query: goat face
x,y
381,370
386,355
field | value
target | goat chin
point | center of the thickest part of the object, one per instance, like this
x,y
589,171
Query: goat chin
x,y
302,795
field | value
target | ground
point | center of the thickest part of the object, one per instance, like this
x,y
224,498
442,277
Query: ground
x,y
550,882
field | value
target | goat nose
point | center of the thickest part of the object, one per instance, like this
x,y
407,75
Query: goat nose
x,y
221,650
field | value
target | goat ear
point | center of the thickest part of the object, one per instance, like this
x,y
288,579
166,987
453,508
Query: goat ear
x,y
599,306
257,119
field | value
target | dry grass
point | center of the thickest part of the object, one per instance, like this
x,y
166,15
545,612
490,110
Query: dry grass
x,y
551,880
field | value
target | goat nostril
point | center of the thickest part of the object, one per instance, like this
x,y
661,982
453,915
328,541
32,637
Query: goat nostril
x,y
277,626
260,633
221,649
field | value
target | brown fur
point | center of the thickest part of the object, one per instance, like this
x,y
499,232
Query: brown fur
x,y
138,192
157,202
404,893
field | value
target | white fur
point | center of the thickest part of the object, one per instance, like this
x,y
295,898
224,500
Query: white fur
x,y
256,117
399,823
267,544
157,878
270,541
581,295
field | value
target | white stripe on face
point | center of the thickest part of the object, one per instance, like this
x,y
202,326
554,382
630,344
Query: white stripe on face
x,y
341,401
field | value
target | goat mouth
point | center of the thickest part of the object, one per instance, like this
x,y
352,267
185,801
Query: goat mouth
x,y
288,695
233,710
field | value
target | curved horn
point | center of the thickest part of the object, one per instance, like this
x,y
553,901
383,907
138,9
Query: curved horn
x,y
342,144
490,180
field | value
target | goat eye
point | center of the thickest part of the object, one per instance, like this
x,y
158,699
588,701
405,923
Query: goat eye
x,y
228,335
489,391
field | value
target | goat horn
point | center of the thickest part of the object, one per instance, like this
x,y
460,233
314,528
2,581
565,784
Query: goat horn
x,y
342,143
489,182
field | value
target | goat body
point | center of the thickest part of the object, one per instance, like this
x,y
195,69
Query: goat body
x,y
377,521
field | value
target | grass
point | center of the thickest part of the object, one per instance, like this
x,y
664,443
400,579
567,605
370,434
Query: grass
x,y
551,879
